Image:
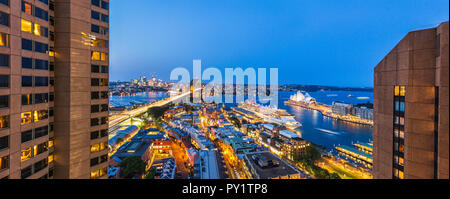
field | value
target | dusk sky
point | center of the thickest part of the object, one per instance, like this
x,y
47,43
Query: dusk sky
x,y
313,42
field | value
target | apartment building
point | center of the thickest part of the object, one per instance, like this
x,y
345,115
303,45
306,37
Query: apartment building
x,y
411,108
54,89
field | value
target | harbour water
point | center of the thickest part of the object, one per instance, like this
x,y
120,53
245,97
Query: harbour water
x,y
141,98
316,128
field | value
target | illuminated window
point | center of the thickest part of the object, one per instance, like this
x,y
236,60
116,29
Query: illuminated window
x,y
95,174
26,154
95,55
104,57
103,146
27,8
27,26
40,115
401,175
37,30
103,171
402,91
95,148
4,39
50,158
51,143
4,122
26,118
41,148
4,162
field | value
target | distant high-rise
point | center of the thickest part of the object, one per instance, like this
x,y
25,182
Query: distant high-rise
x,y
54,88
411,108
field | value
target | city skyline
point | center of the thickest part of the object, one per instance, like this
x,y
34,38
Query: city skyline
x,y
291,36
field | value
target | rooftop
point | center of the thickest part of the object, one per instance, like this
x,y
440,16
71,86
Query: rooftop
x,y
289,134
132,148
282,170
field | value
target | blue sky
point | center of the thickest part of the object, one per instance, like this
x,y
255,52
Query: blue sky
x,y
320,42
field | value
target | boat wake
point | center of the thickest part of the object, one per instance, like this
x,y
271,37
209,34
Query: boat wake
x,y
328,131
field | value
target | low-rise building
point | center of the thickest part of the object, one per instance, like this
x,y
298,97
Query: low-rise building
x,y
140,149
265,165
206,166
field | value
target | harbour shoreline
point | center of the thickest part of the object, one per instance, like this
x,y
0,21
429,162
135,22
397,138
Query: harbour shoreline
x,y
322,109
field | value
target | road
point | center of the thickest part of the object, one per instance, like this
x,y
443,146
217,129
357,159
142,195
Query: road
x,y
343,170
181,160
119,118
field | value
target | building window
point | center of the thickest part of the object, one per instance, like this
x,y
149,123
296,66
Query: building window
x,y
40,13
99,43
41,98
4,39
27,81
4,81
4,2
104,82
104,120
105,95
4,19
41,81
94,95
95,68
51,158
40,115
40,132
4,60
95,3
95,109
44,1
40,47
94,161
95,135
105,5
104,108
4,101
25,173
99,29
38,166
27,99
27,44
4,162
27,63
104,133
95,122
27,8
95,15
27,136
41,148
95,82
4,142
95,148
27,26
26,154
40,64
26,118
103,146
4,122
51,142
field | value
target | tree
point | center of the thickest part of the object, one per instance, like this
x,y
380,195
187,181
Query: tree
x,y
150,174
236,122
309,156
157,112
334,176
131,166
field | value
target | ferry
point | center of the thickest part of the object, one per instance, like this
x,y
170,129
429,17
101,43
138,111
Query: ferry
x,y
271,114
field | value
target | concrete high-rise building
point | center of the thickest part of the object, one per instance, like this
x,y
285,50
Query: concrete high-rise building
x,y
54,74
411,108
